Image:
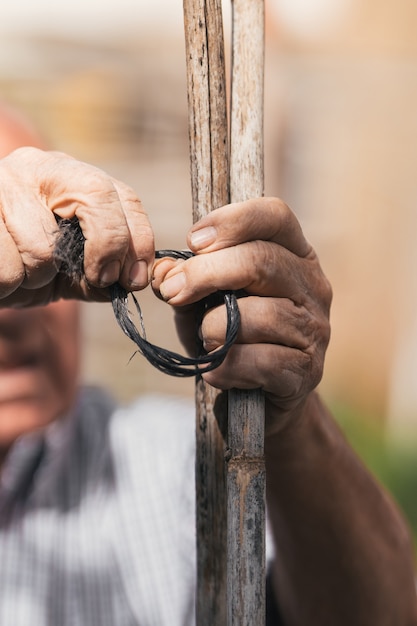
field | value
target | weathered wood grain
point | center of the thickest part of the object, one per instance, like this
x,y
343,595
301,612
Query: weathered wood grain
x,y
246,421
230,511
208,134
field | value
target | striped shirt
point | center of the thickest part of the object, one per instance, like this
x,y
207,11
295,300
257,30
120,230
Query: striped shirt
x,y
97,518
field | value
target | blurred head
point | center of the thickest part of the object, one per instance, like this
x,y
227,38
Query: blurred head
x,y
39,347
39,362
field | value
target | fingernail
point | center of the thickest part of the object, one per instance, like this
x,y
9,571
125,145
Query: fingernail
x,y
138,275
110,273
162,267
203,237
172,286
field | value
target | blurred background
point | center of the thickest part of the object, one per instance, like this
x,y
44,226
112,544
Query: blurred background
x,y
106,83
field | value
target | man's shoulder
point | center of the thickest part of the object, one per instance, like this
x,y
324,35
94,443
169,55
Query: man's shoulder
x,y
157,409
166,417
162,419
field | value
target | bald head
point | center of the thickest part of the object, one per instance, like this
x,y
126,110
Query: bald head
x,y
16,131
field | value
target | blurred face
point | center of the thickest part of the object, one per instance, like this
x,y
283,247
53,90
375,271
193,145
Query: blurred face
x,y
39,363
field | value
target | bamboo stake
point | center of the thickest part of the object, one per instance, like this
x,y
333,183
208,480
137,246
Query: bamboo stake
x,y
242,546
207,112
246,466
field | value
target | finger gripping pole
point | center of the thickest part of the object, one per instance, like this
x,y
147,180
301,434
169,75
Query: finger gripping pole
x,y
69,254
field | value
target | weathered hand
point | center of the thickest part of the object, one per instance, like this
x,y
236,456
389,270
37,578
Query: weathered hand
x,y
36,186
256,246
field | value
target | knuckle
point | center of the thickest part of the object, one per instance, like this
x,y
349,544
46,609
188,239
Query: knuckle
x,y
112,240
143,240
281,213
260,257
315,327
327,295
300,376
213,328
39,267
278,207
316,356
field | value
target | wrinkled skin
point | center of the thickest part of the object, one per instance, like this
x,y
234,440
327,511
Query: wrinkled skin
x,y
34,187
257,246
344,554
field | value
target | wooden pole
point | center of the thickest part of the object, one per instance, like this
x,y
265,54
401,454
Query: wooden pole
x,y
246,421
230,558
208,134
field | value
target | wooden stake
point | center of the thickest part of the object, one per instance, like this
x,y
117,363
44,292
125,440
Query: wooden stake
x,y
246,466
207,112
230,559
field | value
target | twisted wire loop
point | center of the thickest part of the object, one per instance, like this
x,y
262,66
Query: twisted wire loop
x,y
69,253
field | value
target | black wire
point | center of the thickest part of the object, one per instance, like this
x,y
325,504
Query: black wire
x,y
69,252
165,360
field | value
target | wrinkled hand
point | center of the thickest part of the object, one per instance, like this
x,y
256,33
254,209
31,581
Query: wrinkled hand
x,y
36,186
257,246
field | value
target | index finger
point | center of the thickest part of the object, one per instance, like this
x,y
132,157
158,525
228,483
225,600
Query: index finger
x,y
267,219
118,237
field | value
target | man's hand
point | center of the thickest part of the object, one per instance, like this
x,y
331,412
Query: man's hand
x,y
256,246
37,186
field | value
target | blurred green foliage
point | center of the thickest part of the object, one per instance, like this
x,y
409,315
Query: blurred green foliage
x,y
393,462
